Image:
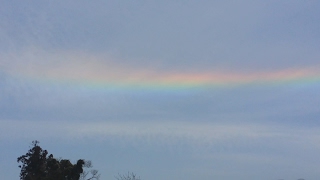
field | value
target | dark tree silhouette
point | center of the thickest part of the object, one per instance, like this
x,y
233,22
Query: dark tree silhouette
x,y
37,165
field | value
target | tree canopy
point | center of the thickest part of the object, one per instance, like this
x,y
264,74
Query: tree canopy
x,y
38,165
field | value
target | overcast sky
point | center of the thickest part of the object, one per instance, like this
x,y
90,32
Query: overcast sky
x,y
165,89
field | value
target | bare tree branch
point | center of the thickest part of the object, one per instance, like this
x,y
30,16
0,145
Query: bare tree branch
x,y
129,176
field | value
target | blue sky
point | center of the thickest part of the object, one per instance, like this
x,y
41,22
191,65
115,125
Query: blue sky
x,y
129,85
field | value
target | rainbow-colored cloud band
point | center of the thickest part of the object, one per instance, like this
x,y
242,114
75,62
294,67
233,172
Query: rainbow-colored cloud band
x,y
163,81
106,72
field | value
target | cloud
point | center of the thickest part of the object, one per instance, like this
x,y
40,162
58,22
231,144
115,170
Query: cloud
x,y
73,70
72,85
166,132
218,35
102,68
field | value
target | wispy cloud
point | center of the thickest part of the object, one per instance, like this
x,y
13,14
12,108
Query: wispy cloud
x,y
103,69
166,132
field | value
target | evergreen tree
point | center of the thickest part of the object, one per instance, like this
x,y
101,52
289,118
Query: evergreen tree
x,y
37,165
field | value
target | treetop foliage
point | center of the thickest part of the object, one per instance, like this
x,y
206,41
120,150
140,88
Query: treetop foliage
x,y
38,165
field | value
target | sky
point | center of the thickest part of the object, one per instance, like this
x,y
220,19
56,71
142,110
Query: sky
x,y
165,89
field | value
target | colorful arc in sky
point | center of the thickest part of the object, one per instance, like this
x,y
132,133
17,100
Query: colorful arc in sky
x,y
169,81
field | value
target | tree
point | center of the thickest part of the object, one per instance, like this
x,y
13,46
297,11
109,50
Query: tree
x,y
129,176
37,165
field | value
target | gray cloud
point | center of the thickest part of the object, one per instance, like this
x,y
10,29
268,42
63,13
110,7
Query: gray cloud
x,y
255,131
181,35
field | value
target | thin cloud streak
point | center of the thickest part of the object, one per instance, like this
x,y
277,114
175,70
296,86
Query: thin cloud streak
x,y
200,133
102,69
